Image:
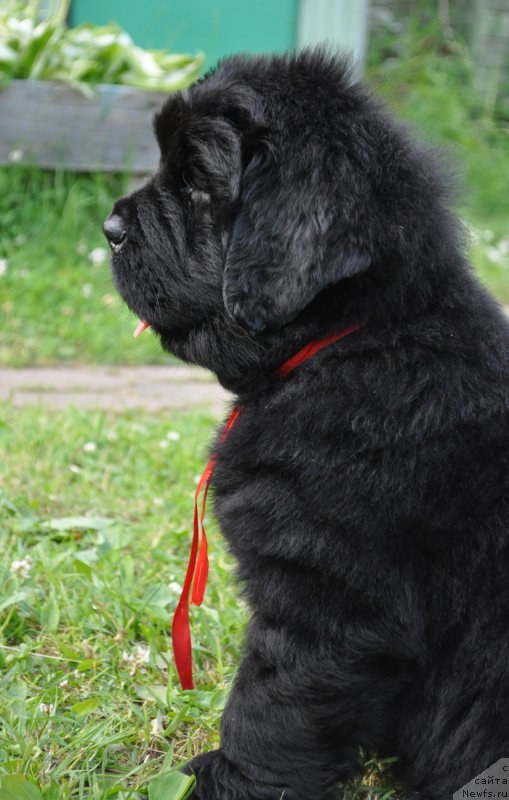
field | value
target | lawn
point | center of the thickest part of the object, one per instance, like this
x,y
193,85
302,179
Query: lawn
x,y
57,301
430,81
95,532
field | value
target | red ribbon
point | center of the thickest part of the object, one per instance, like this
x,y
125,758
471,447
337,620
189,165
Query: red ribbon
x,y
198,567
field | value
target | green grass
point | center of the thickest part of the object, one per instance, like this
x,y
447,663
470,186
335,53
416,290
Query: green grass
x,y
95,522
430,80
57,302
93,540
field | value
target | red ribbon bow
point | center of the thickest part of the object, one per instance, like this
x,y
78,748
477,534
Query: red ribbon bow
x,y
198,567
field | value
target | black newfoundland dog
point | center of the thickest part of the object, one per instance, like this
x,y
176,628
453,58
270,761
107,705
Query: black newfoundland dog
x,y
365,496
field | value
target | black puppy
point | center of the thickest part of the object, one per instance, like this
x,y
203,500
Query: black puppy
x,y
366,495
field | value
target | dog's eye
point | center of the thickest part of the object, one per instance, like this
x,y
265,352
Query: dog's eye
x,y
194,196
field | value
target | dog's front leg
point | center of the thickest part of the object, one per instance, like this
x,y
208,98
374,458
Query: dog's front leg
x,y
270,746
293,726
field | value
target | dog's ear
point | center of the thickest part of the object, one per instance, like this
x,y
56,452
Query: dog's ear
x,y
301,227
217,129
214,157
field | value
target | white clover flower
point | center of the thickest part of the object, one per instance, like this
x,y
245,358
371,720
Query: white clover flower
x,y
15,156
46,708
155,727
98,256
475,235
157,501
64,684
164,444
22,567
86,290
74,468
173,436
137,659
494,255
503,247
143,654
90,447
108,299
3,266
175,587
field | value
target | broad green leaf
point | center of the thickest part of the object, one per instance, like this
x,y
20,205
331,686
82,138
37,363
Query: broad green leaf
x,y
50,614
16,787
5,502
18,597
85,707
168,760
156,601
18,690
89,557
86,664
111,539
126,568
52,792
171,786
154,691
69,652
85,56
29,524
77,524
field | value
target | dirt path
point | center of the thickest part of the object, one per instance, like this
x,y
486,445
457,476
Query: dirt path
x,y
115,388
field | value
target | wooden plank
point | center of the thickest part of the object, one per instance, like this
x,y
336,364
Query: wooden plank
x,y
53,126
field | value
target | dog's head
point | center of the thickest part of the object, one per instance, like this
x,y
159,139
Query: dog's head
x,y
281,185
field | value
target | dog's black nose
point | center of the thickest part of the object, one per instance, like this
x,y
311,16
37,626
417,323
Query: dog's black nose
x,y
114,229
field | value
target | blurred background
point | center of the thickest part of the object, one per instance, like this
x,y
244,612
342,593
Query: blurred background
x,y
80,81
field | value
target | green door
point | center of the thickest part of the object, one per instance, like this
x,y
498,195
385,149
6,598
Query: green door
x,y
217,27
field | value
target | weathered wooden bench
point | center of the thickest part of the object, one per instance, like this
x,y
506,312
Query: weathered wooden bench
x,y
52,126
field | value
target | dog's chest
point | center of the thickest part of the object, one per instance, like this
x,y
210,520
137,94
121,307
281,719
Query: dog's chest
x,y
288,488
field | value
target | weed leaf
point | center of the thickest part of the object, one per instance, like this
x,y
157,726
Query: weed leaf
x,y
16,787
77,524
85,707
171,786
18,597
50,614
155,692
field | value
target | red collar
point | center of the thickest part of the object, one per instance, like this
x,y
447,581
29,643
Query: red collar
x,y
198,567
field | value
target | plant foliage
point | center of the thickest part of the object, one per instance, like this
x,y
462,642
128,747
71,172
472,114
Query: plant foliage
x,y
40,46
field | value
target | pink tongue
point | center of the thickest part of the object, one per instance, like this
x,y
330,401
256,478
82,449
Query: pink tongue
x,y
141,326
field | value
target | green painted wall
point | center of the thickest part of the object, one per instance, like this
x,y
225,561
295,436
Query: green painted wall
x,y
217,27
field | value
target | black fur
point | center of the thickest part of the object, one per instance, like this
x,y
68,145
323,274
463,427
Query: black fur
x,y
366,496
